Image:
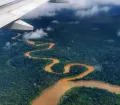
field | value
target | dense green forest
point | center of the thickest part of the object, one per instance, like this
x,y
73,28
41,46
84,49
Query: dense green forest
x,y
89,96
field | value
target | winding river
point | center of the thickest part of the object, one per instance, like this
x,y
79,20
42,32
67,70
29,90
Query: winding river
x,y
52,95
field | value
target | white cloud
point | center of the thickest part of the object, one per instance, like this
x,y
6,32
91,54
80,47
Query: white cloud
x,y
39,12
118,33
80,4
38,34
49,29
8,45
74,22
49,9
55,21
90,12
98,67
110,41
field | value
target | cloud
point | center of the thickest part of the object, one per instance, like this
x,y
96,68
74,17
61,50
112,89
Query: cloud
x,y
39,12
74,22
81,4
90,12
110,41
38,34
8,45
118,33
55,21
98,67
50,9
49,29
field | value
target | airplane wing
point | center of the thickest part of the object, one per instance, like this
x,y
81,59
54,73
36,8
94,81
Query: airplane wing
x,y
12,11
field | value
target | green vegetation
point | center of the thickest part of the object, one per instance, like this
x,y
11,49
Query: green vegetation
x,y
34,77
75,71
21,79
89,96
59,68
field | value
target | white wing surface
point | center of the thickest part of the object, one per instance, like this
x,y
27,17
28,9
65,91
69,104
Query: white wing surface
x,y
11,12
